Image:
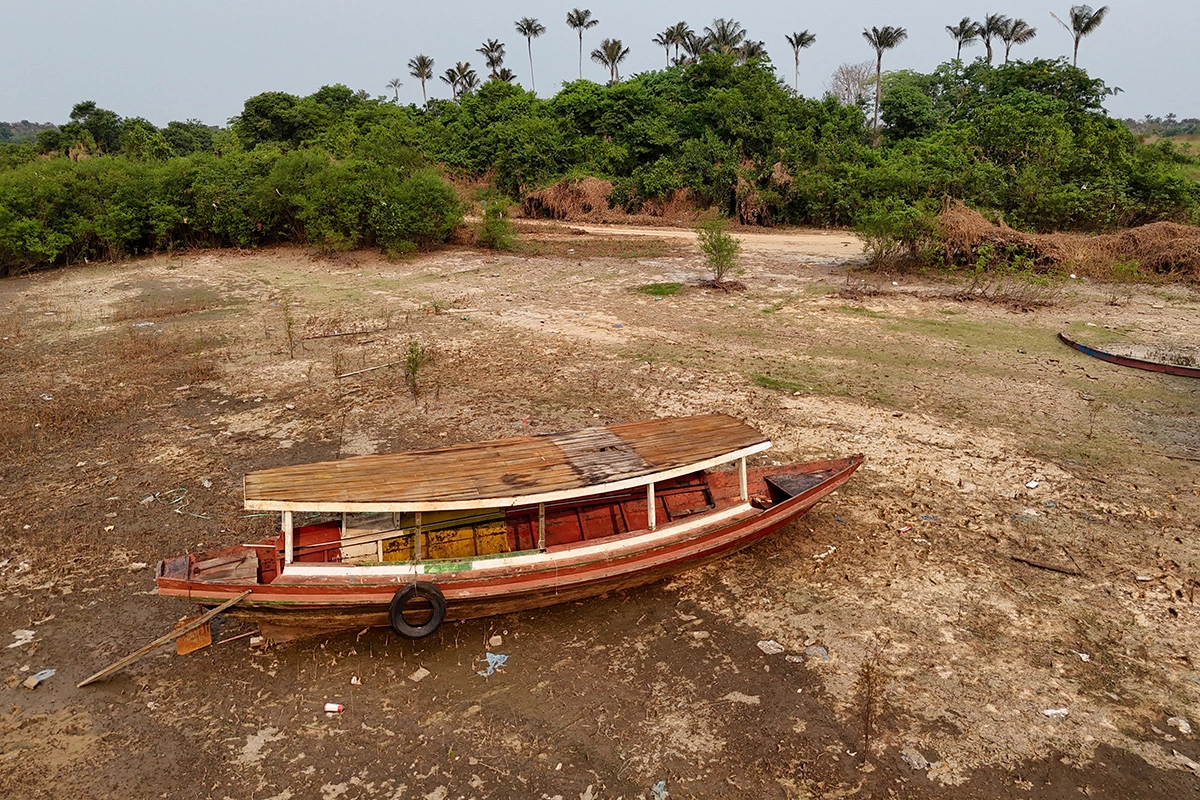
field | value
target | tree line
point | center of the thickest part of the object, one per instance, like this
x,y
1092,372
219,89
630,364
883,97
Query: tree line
x,y
1027,141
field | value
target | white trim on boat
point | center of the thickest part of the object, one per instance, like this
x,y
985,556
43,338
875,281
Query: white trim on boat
x,y
507,502
642,542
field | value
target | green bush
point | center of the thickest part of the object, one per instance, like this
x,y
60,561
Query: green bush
x,y
721,250
497,231
896,233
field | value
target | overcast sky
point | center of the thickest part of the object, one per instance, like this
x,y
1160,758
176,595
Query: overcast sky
x,y
166,59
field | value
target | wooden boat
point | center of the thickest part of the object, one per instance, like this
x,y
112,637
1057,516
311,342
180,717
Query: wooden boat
x,y
411,539
1146,358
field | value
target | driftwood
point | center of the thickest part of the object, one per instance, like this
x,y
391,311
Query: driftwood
x,y
160,641
1043,565
342,333
368,369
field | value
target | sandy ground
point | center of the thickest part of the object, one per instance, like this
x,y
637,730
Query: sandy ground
x,y
999,604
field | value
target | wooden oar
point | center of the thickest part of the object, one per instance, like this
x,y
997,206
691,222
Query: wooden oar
x,y
159,642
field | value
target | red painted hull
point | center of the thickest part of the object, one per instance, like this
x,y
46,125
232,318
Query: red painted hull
x,y
313,605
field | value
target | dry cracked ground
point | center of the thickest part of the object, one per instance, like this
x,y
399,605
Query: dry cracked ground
x,y
999,604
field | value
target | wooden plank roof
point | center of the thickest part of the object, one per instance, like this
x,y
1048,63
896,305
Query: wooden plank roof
x,y
506,472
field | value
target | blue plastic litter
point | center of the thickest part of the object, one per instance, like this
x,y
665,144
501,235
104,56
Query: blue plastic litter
x,y
45,674
494,662
818,652
928,518
1051,504
659,791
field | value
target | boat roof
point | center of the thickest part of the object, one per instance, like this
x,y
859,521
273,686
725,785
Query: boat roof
x,y
507,472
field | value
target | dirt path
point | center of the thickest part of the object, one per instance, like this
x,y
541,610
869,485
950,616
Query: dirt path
x,y
818,243
1007,586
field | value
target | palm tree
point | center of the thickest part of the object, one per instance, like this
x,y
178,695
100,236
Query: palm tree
x,y
799,41
679,32
581,20
493,55
725,35
507,75
882,39
1083,22
421,68
1016,31
461,78
530,28
611,53
394,84
992,27
751,50
965,33
694,46
665,40
468,82
450,78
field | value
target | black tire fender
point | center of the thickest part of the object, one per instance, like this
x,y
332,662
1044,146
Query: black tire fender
x,y
431,594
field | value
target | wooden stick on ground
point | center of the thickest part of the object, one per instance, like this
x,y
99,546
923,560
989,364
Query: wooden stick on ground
x,y
1051,567
343,333
368,369
160,641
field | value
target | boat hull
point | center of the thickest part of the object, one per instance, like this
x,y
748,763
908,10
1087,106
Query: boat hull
x,y
356,597
1129,361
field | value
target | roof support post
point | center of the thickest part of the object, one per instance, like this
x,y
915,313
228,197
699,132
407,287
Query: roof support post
x,y
541,526
417,534
287,537
650,521
743,490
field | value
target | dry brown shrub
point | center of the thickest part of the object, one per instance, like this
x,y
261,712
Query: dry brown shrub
x,y
1157,248
780,176
574,199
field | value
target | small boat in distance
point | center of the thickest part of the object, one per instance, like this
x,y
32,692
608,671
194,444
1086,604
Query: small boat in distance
x,y
1141,357
413,539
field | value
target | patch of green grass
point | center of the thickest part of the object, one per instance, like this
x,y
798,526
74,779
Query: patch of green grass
x,y
660,289
860,311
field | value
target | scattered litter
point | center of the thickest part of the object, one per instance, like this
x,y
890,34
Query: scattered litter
x,y
795,659
826,554
919,540
1055,713
905,529
1182,724
496,640
1029,512
618,325
109,528
1031,485
1144,578
136,565
420,675
494,662
770,647
258,641
895,283
206,483
143,324
334,708
659,791
1051,504
817,652
1084,657
354,681
928,518
39,677
913,757
22,637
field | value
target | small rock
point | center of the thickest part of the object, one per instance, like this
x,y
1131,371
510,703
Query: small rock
x,y
913,757
137,566
420,675
1055,713
496,641
770,647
